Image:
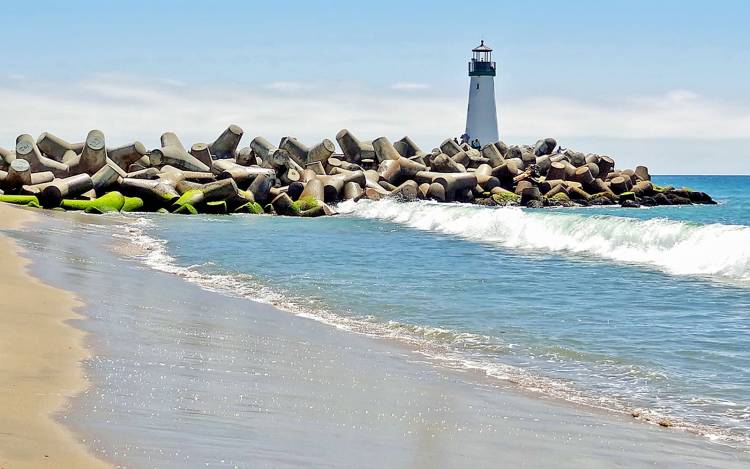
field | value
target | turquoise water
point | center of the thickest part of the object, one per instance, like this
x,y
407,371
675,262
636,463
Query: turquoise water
x,y
644,310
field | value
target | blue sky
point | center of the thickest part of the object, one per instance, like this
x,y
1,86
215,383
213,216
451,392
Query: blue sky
x,y
655,82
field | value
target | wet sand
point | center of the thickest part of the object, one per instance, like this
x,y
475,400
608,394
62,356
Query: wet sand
x,y
185,377
40,357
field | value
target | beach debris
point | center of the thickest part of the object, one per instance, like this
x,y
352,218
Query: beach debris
x,y
296,179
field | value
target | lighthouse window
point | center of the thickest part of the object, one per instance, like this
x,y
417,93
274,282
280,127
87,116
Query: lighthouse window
x,y
477,85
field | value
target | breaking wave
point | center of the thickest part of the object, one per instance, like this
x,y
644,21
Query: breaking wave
x,y
452,349
679,248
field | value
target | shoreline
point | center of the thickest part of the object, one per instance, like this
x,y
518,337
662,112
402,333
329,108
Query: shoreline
x,y
40,370
545,421
524,423
505,377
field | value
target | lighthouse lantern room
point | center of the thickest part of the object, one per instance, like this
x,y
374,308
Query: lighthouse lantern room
x,y
481,116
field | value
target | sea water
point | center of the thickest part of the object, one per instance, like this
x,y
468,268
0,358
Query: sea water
x,y
632,310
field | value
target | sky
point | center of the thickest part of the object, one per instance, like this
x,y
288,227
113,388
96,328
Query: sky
x,y
660,83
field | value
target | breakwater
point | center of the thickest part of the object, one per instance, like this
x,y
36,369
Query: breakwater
x,y
295,179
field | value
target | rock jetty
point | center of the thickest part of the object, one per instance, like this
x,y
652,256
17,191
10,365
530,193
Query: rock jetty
x,y
296,179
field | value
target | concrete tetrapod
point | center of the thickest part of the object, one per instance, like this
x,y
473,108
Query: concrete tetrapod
x,y
354,149
303,155
242,175
261,187
6,157
125,155
443,163
26,149
261,147
384,150
19,174
225,146
55,147
334,185
642,173
314,188
201,152
246,157
407,191
451,182
73,186
606,165
107,176
174,155
407,148
93,156
450,147
155,193
493,155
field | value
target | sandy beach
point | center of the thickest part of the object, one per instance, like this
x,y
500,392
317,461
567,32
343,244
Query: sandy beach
x,y
39,369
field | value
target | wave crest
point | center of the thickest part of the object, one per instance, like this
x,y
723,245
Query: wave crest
x,y
677,247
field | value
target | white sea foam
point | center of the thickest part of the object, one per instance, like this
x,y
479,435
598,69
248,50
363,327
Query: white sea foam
x,y
452,349
676,247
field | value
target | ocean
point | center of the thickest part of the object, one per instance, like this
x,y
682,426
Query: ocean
x,y
634,311
638,310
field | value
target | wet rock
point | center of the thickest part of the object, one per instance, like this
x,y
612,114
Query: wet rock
x,y
676,199
560,199
506,198
535,204
701,198
648,202
662,199
627,196
600,200
530,194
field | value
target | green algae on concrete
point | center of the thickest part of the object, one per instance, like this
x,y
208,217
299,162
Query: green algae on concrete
x,y
506,198
193,197
561,197
305,203
132,204
109,202
250,207
28,200
218,207
186,209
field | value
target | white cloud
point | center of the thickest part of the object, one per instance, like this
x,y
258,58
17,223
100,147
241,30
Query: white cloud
x,y
405,86
678,114
126,110
288,86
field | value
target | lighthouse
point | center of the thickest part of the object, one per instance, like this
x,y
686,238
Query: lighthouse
x,y
481,116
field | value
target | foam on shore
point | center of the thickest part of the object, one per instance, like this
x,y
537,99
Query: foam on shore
x,y
451,349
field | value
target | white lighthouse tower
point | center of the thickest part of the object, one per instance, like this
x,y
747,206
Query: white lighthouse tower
x,y
481,117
